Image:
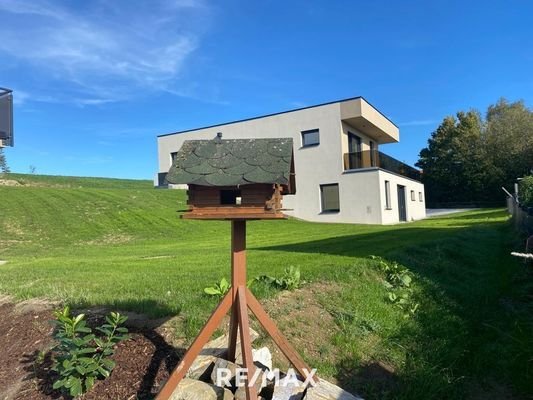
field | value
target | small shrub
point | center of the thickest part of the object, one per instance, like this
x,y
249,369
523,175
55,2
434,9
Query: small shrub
x,y
218,289
525,191
222,288
398,282
290,280
80,356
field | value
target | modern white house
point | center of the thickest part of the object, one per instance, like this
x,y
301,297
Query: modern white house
x,y
341,174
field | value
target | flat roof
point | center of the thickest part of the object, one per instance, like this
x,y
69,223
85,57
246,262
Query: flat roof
x,y
278,113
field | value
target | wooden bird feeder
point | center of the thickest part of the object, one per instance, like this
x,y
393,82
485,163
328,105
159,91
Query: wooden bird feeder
x,y
236,180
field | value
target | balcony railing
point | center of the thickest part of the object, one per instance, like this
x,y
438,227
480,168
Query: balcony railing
x,y
374,158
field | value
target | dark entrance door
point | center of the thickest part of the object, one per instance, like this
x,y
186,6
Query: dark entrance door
x,y
401,203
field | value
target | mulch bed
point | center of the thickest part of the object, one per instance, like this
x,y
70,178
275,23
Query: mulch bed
x,y
143,362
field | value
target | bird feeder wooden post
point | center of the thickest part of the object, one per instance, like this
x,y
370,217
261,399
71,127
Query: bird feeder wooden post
x,y
235,180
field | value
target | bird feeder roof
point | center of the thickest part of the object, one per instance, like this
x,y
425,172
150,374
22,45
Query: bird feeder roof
x,y
232,162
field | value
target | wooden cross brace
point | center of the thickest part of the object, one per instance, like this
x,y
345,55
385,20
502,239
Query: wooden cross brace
x,y
239,299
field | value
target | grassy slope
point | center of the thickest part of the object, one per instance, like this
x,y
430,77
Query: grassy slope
x,y
120,244
80,182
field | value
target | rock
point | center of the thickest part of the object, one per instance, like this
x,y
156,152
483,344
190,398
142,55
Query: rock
x,y
202,367
260,383
224,364
217,348
263,357
328,391
287,389
191,389
241,395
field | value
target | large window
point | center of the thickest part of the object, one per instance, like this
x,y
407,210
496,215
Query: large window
x,y
355,159
420,196
310,138
330,197
387,196
413,198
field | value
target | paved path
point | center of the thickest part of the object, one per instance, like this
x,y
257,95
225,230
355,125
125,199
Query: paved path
x,y
437,212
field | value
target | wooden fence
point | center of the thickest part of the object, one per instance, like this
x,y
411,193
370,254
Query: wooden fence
x,y
522,218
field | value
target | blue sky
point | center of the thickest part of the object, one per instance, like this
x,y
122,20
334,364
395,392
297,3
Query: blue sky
x,y
96,82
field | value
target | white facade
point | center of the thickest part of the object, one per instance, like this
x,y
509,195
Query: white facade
x,y
362,192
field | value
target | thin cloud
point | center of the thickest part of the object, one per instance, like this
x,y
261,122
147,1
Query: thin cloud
x,y
106,53
21,97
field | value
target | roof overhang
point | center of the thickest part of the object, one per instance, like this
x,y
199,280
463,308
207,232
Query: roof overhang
x,y
361,115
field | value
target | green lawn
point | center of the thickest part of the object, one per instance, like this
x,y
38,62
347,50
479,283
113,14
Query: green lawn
x,y
120,244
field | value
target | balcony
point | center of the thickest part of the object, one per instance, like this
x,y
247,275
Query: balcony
x,y
376,159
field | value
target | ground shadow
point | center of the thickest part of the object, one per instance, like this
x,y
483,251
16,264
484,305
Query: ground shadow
x,y
388,239
365,244
377,378
470,284
39,370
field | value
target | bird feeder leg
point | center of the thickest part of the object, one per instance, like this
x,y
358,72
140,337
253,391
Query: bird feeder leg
x,y
201,340
238,278
246,343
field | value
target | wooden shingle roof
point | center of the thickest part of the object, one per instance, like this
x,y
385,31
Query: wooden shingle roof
x,y
232,162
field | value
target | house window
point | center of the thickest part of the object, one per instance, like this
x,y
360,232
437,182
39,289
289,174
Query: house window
x,y
355,156
173,157
330,197
354,143
420,196
387,196
310,138
413,198
230,197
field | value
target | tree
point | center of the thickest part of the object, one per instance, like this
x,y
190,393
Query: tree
x,y
469,159
4,168
509,141
452,163
525,191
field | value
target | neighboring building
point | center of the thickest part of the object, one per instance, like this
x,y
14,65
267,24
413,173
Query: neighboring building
x,y
6,118
341,174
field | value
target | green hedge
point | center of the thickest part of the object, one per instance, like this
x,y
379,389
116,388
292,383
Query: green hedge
x,y
525,191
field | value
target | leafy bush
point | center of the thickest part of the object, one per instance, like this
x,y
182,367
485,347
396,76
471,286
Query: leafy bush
x,y
218,289
80,356
525,191
398,282
290,280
